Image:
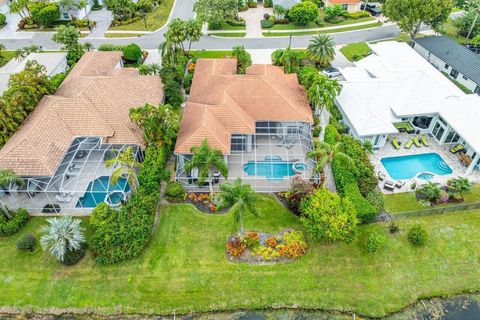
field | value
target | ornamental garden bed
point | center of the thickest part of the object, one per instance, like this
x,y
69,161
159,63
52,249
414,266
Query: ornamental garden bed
x,y
261,248
205,202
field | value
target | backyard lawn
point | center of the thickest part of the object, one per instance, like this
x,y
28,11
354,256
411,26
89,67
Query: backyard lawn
x,y
155,19
211,54
356,51
184,269
407,201
8,55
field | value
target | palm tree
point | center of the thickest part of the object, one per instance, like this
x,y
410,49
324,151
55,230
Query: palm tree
x,y
168,50
193,31
321,49
288,58
62,235
473,6
322,91
242,196
124,164
20,7
431,191
8,177
177,32
324,153
88,46
458,187
205,159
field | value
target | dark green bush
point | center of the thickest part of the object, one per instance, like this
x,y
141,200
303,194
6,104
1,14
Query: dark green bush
x,y
344,172
331,135
213,25
365,210
236,22
376,240
14,224
110,47
3,19
57,80
26,243
45,13
173,94
266,23
174,192
73,257
417,235
393,228
145,5
132,53
187,82
356,15
316,131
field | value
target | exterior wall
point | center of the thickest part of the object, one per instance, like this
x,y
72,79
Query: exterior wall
x,y
74,12
350,7
440,65
286,3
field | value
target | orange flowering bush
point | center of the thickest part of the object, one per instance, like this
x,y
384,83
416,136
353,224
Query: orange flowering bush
x,y
271,242
235,247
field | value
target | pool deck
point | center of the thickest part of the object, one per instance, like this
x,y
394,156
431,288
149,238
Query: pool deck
x,y
443,150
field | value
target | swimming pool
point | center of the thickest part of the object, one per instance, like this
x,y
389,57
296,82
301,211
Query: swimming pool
x,y
272,169
99,188
406,167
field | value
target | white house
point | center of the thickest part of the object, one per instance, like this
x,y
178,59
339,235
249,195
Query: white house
x,y
396,85
54,63
452,58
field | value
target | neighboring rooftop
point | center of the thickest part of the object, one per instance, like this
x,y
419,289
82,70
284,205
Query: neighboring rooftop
x,y
222,103
457,56
94,100
403,84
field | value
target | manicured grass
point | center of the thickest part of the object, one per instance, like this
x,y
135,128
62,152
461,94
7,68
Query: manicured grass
x,y
123,35
306,33
184,269
407,201
211,54
155,19
356,51
451,31
226,26
312,25
229,34
8,55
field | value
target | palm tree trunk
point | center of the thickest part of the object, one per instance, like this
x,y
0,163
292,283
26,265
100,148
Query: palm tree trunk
x,y
4,210
471,28
189,45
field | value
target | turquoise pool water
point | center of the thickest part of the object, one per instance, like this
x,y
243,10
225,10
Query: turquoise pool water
x,y
406,167
272,169
99,188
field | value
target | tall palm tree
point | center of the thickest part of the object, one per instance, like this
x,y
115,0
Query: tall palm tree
x,y
177,32
321,49
168,50
193,31
242,196
473,6
62,235
324,153
458,187
322,91
124,164
8,177
205,159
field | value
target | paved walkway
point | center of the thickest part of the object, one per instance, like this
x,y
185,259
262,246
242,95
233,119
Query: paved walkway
x,y
252,17
103,18
154,56
261,56
340,60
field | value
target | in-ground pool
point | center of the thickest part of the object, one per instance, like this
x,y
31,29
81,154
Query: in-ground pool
x,y
272,169
406,167
99,188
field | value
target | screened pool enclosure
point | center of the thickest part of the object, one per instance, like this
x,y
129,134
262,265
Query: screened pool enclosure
x,y
267,160
81,181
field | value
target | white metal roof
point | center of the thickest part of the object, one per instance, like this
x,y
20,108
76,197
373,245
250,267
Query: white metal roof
x,y
403,84
51,60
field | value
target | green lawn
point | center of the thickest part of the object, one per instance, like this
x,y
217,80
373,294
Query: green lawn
x,y
123,35
356,51
451,31
313,25
306,33
407,201
226,26
211,54
229,34
8,55
184,269
155,19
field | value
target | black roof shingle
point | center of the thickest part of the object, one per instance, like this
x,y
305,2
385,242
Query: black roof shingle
x,y
457,56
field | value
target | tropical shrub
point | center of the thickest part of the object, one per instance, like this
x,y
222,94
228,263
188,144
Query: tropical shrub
x,y
145,5
57,80
376,240
14,224
62,236
3,19
45,13
365,211
332,12
266,23
132,53
327,217
303,13
110,47
271,242
431,191
299,189
187,82
235,247
268,3
295,245
458,187
344,172
174,192
26,243
251,240
417,235
316,131
393,228
331,135
244,60
356,15
73,257
173,93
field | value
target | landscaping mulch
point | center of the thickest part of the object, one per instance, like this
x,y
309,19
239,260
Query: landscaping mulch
x,y
204,206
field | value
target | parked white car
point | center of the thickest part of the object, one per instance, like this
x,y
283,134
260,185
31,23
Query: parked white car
x,y
332,72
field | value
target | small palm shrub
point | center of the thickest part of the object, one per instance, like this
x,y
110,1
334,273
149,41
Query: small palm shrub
x,y
174,192
62,235
393,228
376,240
417,235
26,243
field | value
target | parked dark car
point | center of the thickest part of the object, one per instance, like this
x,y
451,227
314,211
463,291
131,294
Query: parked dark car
x,y
372,8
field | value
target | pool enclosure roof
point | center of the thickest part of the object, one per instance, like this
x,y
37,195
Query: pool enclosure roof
x,y
222,103
94,100
403,84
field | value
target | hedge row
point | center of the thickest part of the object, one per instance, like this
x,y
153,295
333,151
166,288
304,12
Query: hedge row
x,y
119,235
14,224
365,210
331,134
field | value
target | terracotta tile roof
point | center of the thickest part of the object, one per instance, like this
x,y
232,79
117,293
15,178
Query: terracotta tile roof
x,y
94,100
264,93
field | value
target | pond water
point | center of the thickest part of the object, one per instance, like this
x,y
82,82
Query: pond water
x,y
457,308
